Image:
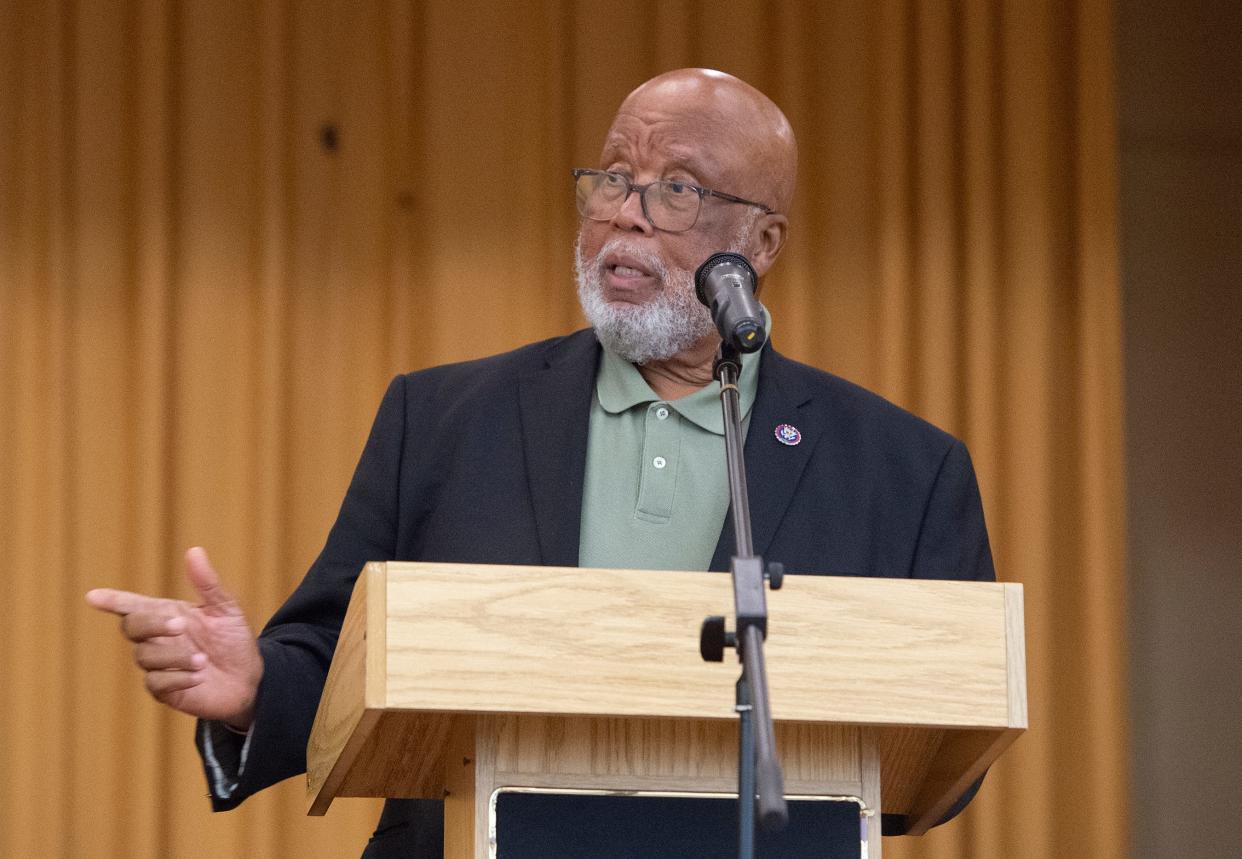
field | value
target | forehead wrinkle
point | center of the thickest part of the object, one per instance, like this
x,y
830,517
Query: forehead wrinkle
x,y
668,137
746,138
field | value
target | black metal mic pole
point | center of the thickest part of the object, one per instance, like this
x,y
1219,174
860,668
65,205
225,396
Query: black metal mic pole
x,y
760,781
745,767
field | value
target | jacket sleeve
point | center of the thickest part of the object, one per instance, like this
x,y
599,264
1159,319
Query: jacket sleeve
x,y
298,642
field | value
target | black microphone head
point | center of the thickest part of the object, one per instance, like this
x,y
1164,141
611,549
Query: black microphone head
x,y
725,282
729,264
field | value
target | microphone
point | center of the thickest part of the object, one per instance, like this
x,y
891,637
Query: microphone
x,y
726,284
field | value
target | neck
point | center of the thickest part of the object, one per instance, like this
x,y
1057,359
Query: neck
x,y
684,373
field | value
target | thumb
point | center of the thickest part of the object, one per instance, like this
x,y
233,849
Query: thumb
x,y
206,580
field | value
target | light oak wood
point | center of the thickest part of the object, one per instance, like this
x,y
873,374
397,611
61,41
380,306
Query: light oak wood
x,y
340,732
870,786
1015,654
620,642
461,791
591,679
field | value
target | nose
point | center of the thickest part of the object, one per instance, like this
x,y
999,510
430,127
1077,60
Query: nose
x,y
631,217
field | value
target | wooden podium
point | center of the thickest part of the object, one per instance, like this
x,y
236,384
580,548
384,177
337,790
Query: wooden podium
x,y
453,681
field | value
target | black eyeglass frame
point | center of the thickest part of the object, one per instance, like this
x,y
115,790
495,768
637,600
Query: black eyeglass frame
x,y
631,187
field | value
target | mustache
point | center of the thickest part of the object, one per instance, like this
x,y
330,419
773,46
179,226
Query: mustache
x,y
595,266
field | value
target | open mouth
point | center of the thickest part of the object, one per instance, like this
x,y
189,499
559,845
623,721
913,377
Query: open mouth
x,y
626,270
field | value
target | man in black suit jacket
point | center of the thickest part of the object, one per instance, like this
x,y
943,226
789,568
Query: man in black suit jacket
x,y
484,462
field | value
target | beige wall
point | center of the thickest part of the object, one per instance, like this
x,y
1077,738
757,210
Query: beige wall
x,y
1181,181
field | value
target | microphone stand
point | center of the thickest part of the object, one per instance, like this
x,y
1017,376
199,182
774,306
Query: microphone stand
x,y
760,781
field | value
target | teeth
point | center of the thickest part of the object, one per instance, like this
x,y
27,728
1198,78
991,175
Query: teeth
x,y
626,271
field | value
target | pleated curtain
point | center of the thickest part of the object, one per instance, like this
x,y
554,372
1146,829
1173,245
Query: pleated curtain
x,y
225,226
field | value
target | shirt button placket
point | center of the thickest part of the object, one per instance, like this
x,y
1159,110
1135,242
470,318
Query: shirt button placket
x,y
660,449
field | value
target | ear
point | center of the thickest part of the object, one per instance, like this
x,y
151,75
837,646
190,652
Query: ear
x,y
771,232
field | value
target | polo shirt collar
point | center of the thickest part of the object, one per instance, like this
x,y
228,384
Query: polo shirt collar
x,y
620,387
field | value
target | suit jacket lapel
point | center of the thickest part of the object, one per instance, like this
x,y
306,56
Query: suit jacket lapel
x,y
773,469
556,412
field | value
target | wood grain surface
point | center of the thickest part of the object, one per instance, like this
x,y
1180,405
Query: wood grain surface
x,y
591,679
618,642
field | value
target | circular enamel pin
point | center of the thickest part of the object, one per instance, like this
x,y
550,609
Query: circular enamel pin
x,y
788,434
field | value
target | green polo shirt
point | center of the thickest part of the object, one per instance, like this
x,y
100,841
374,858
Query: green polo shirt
x,y
656,490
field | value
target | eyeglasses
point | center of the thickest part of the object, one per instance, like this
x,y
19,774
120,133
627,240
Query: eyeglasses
x,y
670,206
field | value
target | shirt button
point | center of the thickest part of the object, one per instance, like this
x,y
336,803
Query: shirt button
x,y
659,462
662,413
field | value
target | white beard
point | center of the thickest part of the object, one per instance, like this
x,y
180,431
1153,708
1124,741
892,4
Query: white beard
x,y
671,322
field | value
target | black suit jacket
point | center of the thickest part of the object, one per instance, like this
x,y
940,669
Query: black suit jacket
x,y
483,462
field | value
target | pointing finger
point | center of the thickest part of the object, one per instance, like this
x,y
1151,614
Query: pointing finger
x,y
119,602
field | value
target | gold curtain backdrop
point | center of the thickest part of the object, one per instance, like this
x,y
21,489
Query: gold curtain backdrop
x,y
224,226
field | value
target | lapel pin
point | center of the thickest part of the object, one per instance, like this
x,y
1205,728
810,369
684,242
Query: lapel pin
x,y
788,434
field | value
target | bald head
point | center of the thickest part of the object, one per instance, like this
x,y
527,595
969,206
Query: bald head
x,y
732,123
687,129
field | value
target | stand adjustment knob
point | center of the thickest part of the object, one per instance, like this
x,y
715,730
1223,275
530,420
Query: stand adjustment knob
x,y
713,639
775,574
